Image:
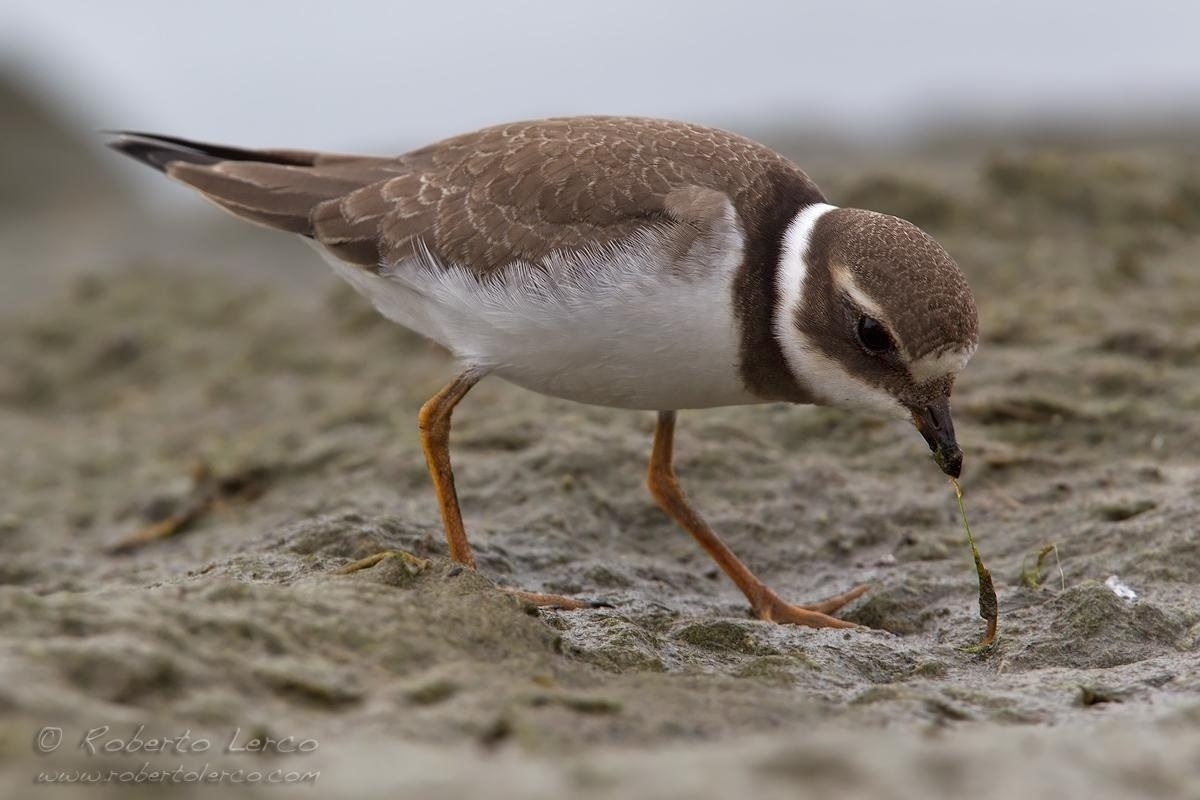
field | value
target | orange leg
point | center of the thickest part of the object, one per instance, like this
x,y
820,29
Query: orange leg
x,y
664,487
434,423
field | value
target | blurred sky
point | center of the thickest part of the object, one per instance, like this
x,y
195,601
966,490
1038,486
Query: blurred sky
x,y
390,75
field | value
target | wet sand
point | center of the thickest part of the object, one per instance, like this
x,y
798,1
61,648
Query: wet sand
x,y
1078,416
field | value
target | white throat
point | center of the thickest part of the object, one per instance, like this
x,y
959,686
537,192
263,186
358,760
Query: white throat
x,y
832,383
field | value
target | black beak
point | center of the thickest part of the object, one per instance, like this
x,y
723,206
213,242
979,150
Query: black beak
x,y
935,424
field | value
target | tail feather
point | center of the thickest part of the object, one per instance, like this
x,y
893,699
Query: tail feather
x,y
276,188
159,151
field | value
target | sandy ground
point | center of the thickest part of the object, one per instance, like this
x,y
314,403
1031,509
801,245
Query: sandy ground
x,y
1079,418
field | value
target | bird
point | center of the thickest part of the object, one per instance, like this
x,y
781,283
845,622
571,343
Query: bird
x,y
627,262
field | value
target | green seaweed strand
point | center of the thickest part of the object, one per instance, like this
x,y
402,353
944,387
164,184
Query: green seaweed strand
x,y
989,607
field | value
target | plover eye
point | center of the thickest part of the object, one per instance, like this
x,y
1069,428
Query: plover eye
x,y
873,336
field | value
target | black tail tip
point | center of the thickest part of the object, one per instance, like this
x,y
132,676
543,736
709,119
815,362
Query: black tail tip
x,y
154,151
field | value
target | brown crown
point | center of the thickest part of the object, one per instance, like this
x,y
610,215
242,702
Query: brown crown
x,y
923,292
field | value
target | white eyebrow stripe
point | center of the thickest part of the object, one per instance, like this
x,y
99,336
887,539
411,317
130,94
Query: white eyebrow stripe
x,y
845,281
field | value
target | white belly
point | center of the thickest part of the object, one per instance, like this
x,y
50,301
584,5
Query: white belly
x,y
623,332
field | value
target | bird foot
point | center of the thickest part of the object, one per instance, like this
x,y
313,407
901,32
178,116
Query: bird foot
x,y
542,600
413,564
816,615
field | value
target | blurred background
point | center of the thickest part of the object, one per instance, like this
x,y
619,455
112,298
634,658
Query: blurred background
x,y
152,348
830,84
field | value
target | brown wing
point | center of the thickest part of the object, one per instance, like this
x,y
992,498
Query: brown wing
x,y
523,190
485,199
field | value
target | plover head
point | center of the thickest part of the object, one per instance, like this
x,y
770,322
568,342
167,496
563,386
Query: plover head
x,y
873,314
